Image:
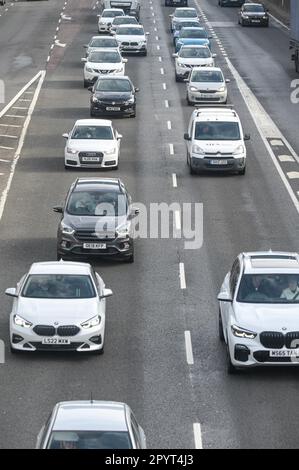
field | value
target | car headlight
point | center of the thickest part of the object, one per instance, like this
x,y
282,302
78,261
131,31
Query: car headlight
x,y
110,151
130,100
141,43
239,150
70,150
94,321
265,17
21,321
181,64
193,88
242,333
118,70
88,69
94,99
66,229
220,90
123,232
246,17
197,149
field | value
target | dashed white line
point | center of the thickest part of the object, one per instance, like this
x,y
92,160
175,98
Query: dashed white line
x,y
169,125
162,71
164,86
166,103
160,59
4,161
15,116
48,58
286,158
182,276
197,436
157,38
158,48
171,149
277,143
174,180
292,175
19,107
189,352
9,125
9,136
6,148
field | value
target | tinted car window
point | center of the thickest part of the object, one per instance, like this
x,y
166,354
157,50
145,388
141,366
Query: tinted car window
x,y
193,33
124,21
194,53
92,132
217,131
269,288
104,56
206,76
97,203
89,440
130,31
113,85
254,8
111,14
186,14
104,42
58,286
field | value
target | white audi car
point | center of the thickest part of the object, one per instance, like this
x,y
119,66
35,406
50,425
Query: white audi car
x,y
92,143
102,62
131,39
106,18
259,310
58,306
192,56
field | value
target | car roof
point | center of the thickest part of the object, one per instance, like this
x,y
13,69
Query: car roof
x,y
214,113
139,26
112,9
184,8
90,416
93,122
193,27
59,267
209,69
271,262
89,184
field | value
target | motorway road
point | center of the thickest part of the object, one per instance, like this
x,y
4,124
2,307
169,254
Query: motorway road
x,y
145,359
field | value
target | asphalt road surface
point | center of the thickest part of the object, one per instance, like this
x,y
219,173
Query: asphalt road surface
x,y
145,361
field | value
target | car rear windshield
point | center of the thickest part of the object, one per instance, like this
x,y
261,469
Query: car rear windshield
x,y
111,13
105,56
269,288
185,14
58,286
104,42
89,440
92,132
207,76
193,33
195,53
254,8
113,84
130,31
217,131
100,203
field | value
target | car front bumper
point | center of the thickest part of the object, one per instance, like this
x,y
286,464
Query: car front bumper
x,y
205,97
120,109
69,246
75,161
255,21
225,163
133,49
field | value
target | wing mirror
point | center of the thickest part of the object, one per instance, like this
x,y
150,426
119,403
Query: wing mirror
x,y
247,137
12,292
119,136
136,90
125,61
187,136
86,46
106,293
224,297
175,54
83,59
65,136
90,88
227,80
58,209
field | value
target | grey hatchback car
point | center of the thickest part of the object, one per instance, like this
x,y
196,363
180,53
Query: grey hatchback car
x,y
91,425
96,220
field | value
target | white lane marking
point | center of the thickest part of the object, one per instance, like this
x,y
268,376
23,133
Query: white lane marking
x,y
292,175
162,71
182,276
197,436
160,59
277,143
55,37
52,47
164,86
24,99
177,217
9,136
286,158
48,58
41,76
166,103
18,107
153,14
57,29
157,38
14,116
58,43
18,95
171,149
154,21
174,180
169,125
9,125
158,48
64,17
189,352
4,161
6,148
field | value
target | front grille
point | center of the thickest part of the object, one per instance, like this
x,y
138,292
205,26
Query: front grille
x,y
272,339
210,98
68,330
44,330
129,44
219,154
55,347
103,71
92,236
91,154
208,91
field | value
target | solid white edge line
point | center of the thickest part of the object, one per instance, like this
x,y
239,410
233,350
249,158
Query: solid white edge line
x,y
20,93
182,276
17,154
174,180
197,436
189,352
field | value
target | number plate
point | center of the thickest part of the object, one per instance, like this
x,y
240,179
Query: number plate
x,y
255,21
90,159
56,341
218,162
94,246
112,108
284,353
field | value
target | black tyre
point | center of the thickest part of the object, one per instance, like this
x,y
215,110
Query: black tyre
x,y
221,334
242,172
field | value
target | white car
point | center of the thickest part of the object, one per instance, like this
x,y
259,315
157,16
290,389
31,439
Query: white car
x,y
102,62
206,85
131,38
259,304
120,20
92,143
58,306
215,141
106,18
192,56
100,42
183,14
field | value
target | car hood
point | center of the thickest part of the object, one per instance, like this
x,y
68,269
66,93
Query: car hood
x,y
267,317
109,95
104,65
95,49
195,61
220,146
207,85
105,225
63,311
129,38
91,144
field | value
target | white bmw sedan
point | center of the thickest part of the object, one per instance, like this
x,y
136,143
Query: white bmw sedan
x,y
92,143
58,306
102,62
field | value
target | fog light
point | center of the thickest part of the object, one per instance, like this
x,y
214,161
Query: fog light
x,y
17,338
110,163
96,339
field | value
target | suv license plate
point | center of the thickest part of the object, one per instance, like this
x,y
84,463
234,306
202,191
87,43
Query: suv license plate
x,y
94,246
284,353
55,341
112,108
218,162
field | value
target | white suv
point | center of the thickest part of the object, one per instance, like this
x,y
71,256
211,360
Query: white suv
x,y
106,18
102,62
215,140
258,310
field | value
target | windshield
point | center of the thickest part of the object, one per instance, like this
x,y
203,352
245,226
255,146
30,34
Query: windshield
x,y
254,8
100,203
217,131
129,31
92,132
185,14
269,288
115,84
58,286
111,57
214,76
111,13
122,20
195,53
193,33
104,42
89,440
183,24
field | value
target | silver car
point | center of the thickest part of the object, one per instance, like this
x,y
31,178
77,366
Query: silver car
x,y
91,425
206,85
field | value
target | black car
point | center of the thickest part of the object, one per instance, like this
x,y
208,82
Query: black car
x,y
230,3
96,220
176,3
113,96
254,14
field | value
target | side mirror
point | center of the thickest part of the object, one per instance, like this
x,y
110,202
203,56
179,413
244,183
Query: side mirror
x,y
186,79
147,34
113,32
227,80
136,90
106,293
187,136
83,59
171,16
12,292
58,209
119,136
175,55
65,136
224,297
214,55
125,61
90,88
247,137
86,46
99,16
